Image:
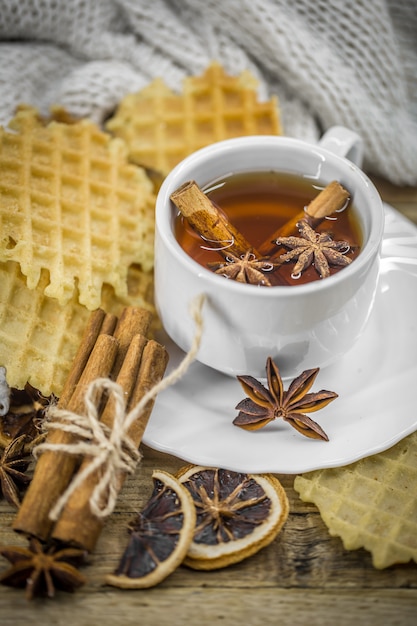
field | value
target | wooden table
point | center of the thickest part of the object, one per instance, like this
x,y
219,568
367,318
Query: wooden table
x,y
304,577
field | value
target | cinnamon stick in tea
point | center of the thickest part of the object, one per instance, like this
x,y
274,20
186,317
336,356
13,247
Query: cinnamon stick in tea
x,y
208,221
332,198
143,368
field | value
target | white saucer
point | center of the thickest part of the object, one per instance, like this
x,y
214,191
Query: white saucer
x,y
376,382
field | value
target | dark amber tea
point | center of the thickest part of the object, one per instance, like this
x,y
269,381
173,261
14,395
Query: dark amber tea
x,y
259,204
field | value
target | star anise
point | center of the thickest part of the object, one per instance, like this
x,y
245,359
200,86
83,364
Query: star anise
x,y
314,248
42,568
245,269
13,465
264,405
25,415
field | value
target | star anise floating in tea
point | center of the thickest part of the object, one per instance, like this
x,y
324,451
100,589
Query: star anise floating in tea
x,y
245,269
41,569
313,248
255,261
263,405
13,465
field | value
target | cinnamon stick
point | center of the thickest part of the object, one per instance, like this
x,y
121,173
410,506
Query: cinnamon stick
x,y
128,377
54,470
109,324
77,524
152,369
132,321
331,199
93,328
208,221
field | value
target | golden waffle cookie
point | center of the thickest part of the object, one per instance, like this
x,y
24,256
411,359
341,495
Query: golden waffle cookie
x,y
39,337
70,204
161,127
371,503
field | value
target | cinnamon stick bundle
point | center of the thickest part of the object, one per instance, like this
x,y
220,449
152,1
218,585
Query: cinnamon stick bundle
x,y
100,354
77,524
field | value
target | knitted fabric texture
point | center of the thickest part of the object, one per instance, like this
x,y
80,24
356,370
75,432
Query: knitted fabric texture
x,y
349,62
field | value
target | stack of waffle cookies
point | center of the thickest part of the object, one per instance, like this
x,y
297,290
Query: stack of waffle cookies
x,y
77,210
76,224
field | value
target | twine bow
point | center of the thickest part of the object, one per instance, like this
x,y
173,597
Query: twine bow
x,y
111,450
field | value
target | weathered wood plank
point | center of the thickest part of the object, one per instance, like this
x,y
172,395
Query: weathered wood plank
x,y
210,606
303,555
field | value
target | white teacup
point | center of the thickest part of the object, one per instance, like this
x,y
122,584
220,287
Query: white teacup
x,y
300,327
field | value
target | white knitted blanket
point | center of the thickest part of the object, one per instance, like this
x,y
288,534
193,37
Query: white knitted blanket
x,y
349,62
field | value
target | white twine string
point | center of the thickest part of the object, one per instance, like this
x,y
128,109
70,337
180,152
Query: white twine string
x,y
111,450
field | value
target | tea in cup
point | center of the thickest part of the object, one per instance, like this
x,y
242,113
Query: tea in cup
x,y
260,183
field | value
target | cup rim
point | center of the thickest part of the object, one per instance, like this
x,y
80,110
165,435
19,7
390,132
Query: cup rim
x,y
163,214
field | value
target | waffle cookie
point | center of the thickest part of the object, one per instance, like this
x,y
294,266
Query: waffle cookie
x,y
39,337
371,503
73,212
161,127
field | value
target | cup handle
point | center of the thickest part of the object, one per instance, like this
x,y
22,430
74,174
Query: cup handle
x,y
343,142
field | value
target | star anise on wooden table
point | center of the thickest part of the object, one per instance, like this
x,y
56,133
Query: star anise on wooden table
x,y
314,248
245,269
13,464
42,569
265,405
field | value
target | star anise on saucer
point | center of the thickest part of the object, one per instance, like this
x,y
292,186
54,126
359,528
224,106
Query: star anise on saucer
x,y
42,569
13,464
245,269
265,405
314,248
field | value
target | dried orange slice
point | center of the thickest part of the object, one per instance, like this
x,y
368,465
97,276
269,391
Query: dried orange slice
x,y
237,514
160,536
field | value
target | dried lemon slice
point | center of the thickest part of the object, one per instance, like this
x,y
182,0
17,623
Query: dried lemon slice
x,y
160,536
237,514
